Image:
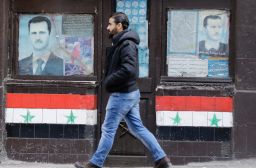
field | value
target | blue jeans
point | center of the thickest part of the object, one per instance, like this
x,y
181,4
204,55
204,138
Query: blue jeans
x,y
124,106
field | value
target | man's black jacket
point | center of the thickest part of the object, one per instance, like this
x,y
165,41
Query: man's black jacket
x,y
121,67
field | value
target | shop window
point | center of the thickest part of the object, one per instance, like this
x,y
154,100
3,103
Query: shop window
x,y
198,43
136,10
56,45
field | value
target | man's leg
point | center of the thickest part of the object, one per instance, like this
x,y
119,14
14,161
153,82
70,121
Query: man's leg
x,y
118,105
109,127
135,125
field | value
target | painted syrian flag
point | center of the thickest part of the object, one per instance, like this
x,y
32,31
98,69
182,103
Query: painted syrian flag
x,y
195,111
51,109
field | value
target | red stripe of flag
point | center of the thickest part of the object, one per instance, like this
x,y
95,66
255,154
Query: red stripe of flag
x,y
194,103
51,101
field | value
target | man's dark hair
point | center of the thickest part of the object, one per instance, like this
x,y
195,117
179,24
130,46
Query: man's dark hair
x,y
120,17
39,19
210,17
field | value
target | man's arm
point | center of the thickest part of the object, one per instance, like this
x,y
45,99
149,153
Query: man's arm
x,y
128,68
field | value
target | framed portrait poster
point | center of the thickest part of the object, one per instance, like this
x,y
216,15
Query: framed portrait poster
x,y
56,45
197,43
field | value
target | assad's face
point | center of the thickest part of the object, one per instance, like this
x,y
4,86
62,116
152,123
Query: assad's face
x,y
112,28
214,29
39,35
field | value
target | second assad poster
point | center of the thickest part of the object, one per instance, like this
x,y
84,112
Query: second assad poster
x,y
197,43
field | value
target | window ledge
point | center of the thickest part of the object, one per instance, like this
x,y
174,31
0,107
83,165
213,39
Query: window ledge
x,y
223,86
40,82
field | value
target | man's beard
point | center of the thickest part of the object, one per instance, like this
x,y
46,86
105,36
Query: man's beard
x,y
112,33
110,36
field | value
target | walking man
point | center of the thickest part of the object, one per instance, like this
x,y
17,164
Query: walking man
x,y
120,81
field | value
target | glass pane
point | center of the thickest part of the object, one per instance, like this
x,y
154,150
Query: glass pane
x,y
56,45
197,43
136,10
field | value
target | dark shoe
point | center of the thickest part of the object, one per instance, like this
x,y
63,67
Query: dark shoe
x,y
162,163
85,165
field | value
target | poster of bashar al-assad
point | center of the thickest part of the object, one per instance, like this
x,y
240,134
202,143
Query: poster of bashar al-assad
x,y
213,33
197,43
56,45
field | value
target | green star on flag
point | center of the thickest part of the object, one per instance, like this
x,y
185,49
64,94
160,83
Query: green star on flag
x,y
71,118
28,118
177,119
215,121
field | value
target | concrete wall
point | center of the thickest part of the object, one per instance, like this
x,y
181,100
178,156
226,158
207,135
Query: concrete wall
x,y
3,56
245,79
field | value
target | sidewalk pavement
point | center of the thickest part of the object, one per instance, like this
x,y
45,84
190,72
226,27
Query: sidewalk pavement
x,y
244,163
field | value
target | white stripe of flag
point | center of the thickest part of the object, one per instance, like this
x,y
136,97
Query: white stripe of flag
x,y
51,116
194,118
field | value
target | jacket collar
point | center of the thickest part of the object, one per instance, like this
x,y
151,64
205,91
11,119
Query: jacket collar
x,y
118,36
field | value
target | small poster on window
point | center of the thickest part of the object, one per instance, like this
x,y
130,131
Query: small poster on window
x,y
182,32
213,33
56,45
